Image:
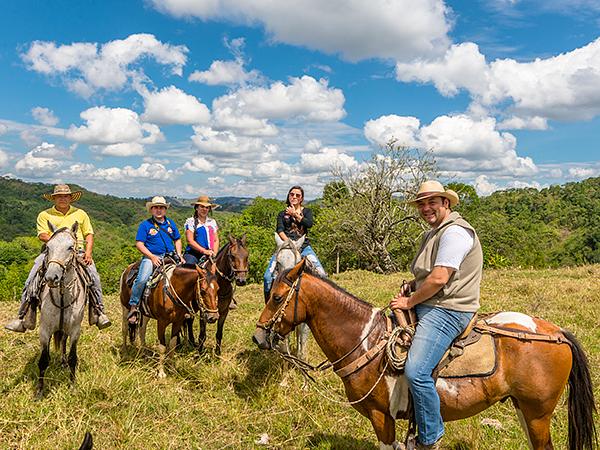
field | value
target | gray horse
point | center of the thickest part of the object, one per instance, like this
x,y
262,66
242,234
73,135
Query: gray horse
x,y
287,256
62,300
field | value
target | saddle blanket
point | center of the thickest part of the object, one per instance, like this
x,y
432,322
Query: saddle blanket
x,y
478,359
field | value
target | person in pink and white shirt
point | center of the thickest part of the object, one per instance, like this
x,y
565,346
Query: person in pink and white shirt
x,y
201,232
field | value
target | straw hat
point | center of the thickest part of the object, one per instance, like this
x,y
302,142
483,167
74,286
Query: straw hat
x,y
63,189
157,201
204,200
434,188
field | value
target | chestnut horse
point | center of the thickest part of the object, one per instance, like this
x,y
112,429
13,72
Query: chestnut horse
x,y
190,291
533,374
232,270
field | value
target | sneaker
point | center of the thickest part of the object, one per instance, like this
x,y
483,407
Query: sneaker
x,y
16,325
103,321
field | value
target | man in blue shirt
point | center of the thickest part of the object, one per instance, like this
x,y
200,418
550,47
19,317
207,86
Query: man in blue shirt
x,y
155,238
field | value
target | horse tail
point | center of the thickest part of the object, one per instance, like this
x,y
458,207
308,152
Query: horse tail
x,y
58,337
582,429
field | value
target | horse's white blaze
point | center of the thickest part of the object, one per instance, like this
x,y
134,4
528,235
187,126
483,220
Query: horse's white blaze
x,y
524,426
212,285
398,394
442,385
367,328
508,317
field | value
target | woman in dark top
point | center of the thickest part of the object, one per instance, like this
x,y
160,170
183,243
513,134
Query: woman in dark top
x,y
293,223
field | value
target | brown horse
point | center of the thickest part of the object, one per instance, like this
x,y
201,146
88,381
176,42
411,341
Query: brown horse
x,y
533,374
232,270
190,291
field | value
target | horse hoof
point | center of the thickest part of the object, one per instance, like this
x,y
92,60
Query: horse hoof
x,y
161,375
39,394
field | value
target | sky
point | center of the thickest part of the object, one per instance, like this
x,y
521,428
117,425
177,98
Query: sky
x,y
247,98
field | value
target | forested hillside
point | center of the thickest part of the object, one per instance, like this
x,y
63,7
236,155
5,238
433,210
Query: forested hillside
x,y
556,226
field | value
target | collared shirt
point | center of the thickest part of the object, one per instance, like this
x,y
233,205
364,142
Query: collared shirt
x,y
59,220
158,237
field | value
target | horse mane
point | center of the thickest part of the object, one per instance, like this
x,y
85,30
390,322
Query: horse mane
x,y
311,270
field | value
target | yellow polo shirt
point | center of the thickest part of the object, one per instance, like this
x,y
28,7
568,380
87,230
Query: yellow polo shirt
x,y
60,220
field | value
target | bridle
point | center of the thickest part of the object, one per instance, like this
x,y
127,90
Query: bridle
x,y
276,318
233,272
170,291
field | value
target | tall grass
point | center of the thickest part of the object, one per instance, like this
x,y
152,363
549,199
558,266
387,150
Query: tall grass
x,y
232,401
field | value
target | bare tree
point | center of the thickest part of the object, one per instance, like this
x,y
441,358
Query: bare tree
x,y
365,210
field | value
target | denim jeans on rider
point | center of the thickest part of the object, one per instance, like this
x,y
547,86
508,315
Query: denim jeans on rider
x,y
308,253
146,269
436,330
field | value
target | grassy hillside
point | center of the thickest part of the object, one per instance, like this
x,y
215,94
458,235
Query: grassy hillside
x,y
229,402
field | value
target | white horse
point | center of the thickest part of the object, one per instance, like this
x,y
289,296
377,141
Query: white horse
x,y
287,256
62,300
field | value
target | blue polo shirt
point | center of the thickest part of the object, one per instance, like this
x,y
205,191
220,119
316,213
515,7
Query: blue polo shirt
x,y
158,237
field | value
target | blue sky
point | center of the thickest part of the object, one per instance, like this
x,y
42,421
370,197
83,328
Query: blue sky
x,y
224,97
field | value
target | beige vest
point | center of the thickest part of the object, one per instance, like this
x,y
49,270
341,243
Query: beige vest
x,y
461,292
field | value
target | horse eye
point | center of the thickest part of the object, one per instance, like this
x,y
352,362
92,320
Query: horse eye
x,y
277,298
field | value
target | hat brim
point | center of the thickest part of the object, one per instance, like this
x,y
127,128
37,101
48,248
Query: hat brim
x,y
76,195
449,194
209,205
149,205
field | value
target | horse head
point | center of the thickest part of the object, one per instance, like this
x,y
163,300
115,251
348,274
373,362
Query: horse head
x,y
287,254
238,259
283,311
208,288
60,253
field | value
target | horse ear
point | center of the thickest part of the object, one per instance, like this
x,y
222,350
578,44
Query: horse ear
x,y
295,272
278,240
75,227
243,240
231,239
52,227
299,242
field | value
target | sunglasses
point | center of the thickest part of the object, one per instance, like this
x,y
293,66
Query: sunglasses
x,y
293,194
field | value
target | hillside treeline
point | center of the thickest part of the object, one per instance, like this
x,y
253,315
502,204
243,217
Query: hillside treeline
x,y
556,226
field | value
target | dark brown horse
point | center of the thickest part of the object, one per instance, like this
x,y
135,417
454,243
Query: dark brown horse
x,y
232,270
190,292
533,374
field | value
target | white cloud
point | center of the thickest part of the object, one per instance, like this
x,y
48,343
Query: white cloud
x,y
89,67
3,158
42,160
325,160
248,110
460,143
583,172
524,123
273,169
171,105
129,174
227,143
44,116
198,164
483,186
402,29
237,171
114,131
3,129
228,73
562,87
216,180
401,129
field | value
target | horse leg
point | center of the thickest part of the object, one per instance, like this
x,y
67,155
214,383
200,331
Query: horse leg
x,y
43,365
143,327
162,349
73,357
124,328
385,429
220,324
60,342
302,331
201,335
189,325
175,330
535,421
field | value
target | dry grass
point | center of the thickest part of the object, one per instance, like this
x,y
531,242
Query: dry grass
x,y
229,402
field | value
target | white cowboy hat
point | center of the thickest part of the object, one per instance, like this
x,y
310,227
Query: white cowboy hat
x,y
433,188
63,189
204,200
157,201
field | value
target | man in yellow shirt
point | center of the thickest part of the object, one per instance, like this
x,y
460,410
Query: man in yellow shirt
x,y
62,214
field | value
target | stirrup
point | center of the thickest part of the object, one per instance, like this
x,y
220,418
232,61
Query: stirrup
x,y
134,314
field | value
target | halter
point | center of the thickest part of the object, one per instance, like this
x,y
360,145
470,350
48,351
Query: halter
x,y
276,318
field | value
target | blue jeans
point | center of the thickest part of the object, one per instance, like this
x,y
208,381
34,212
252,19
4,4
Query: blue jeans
x,y
436,330
307,253
144,273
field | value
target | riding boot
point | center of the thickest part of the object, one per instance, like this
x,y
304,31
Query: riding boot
x,y
16,325
30,316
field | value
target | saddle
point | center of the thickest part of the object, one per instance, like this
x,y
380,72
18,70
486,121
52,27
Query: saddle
x,y
164,271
